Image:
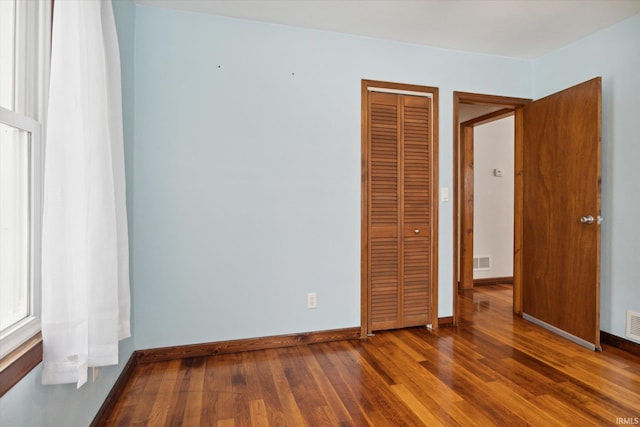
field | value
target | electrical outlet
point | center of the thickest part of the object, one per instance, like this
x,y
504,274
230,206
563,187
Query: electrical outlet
x,y
95,372
312,300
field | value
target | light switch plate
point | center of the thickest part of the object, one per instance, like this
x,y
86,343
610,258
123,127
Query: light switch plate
x,y
444,194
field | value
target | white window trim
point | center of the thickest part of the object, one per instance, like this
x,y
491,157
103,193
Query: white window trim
x,y
32,83
34,20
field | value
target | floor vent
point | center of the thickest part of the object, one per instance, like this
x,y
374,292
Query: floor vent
x,y
482,263
633,325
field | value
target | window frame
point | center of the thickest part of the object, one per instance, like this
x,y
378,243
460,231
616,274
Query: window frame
x,y
26,328
33,30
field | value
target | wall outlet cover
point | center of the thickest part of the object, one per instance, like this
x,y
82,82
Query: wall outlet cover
x,y
312,300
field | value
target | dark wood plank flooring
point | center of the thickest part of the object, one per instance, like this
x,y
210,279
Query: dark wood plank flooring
x,y
495,369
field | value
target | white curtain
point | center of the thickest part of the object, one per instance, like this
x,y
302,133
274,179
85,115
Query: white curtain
x,y
85,270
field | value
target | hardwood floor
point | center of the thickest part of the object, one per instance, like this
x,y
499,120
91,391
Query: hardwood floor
x,y
494,369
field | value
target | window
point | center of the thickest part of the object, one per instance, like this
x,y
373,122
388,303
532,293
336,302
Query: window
x,y
25,33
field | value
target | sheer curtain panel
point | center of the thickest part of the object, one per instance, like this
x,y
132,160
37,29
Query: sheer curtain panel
x,y
85,270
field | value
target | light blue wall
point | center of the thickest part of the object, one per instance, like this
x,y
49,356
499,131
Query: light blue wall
x,y
247,170
29,403
614,54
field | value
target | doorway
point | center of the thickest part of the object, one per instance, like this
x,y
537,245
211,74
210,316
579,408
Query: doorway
x,y
487,158
470,110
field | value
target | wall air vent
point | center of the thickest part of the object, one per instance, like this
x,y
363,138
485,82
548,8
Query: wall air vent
x,y
633,325
482,263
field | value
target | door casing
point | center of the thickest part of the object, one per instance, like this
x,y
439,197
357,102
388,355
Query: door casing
x,y
463,237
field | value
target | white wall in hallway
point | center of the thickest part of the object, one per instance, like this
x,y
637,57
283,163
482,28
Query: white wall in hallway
x,y
493,197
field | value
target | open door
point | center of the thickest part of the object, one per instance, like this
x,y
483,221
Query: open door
x,y
561,212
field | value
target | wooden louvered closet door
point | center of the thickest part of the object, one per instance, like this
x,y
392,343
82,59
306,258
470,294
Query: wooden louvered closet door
x,y
399,210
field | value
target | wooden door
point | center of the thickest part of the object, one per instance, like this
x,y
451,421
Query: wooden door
x,y
561,207
399,185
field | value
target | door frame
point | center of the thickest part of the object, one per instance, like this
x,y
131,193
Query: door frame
x,y
463,189
406,89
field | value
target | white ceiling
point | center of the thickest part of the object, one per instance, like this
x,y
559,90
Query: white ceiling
x,y
515,28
